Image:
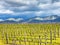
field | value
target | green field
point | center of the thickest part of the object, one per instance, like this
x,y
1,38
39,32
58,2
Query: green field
x,y
30,34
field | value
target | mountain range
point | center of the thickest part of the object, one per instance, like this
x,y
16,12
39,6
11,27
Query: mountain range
x,y
36,19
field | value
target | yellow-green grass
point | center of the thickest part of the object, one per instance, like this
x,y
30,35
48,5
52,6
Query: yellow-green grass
x,y
30,34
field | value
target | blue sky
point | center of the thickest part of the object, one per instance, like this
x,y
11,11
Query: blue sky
x,y
29,7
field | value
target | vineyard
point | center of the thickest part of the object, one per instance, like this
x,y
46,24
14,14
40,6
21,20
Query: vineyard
x,y
30,34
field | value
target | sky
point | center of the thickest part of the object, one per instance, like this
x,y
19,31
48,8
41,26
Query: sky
x,y
29,7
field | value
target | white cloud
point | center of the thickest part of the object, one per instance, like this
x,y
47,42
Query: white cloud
x,y
3,9
27,6
6,11
1,6
45,6
49,6
49,9
39,13
25,13
28,2
56,5
56,11
23,8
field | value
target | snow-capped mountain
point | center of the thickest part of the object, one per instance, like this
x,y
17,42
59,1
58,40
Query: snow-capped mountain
x,y
11,20
36,19
47,18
